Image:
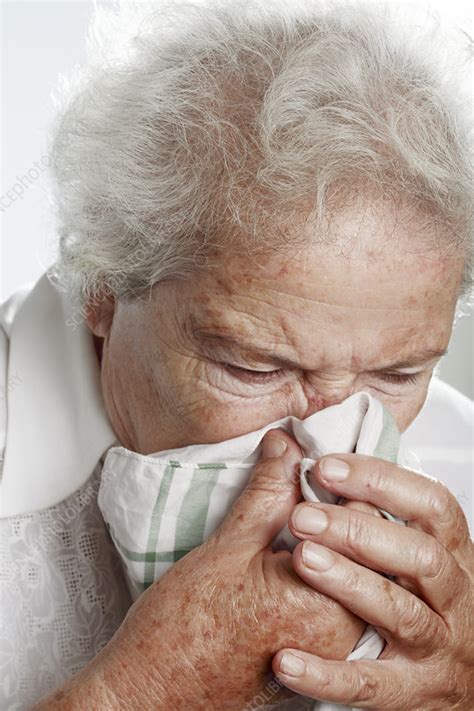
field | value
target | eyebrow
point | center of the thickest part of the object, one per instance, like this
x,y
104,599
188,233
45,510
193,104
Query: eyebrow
x,y
420,357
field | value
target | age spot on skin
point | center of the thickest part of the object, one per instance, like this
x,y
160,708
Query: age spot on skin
x,y
388,589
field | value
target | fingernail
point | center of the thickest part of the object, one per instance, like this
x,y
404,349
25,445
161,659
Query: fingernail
x,y
334,469
316,557
273,446
307,519
292,665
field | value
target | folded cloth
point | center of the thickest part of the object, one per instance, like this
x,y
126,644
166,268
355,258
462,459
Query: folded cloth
x,y
159,507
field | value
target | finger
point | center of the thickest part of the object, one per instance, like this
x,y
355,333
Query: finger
x,y
364,684
386,547
371,509
394,611
362,506
421,500
304,604
262,509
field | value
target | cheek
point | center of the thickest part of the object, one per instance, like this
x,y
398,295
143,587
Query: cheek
x,y
208,421
211,407
404,409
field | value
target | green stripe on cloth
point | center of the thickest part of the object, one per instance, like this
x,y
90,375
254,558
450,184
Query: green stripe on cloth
x,y
150,556
213,465
192,515
154,529
387,448
389,440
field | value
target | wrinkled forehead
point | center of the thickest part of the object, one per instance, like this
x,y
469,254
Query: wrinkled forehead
x,y
377,274
370,253
380,287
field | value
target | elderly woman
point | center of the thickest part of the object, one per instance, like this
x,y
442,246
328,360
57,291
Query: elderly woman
x,y
262,212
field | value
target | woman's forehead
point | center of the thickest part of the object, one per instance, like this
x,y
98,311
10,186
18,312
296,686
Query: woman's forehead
x,y
370,254
318,323
366,310
338,281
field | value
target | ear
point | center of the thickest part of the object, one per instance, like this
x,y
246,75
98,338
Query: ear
x,y
99,315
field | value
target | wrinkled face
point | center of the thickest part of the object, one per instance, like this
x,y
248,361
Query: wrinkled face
x,y
255,340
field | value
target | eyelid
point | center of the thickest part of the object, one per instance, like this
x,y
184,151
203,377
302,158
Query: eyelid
x,y
249,376
398,372
401,378
256,375
277,370
250,370
255,370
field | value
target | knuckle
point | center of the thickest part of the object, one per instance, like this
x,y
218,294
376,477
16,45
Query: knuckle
x,y
442,500
356,532
263,475
352,581
431,560
367,686
413,621
270,475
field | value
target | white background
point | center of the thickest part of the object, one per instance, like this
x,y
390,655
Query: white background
x,y
39,40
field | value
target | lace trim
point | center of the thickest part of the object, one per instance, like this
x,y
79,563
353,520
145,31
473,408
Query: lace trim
x,y
63,595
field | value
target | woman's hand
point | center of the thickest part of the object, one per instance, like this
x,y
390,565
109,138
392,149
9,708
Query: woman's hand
x,y
426,615
203,637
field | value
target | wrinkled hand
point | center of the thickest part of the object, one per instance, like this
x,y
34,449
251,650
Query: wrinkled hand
x,y
425,615
204,635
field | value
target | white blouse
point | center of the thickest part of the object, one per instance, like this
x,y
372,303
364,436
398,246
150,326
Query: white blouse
x,y
63,593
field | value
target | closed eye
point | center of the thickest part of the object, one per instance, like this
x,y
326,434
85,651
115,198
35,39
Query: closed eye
x,y
399,378
263,376
255,376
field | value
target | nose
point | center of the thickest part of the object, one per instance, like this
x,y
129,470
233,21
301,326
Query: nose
x,y
317,401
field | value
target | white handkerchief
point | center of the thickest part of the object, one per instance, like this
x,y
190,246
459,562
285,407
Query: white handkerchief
x,y
159,507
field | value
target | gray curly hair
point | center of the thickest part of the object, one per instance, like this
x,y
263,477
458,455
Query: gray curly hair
x,y
197,127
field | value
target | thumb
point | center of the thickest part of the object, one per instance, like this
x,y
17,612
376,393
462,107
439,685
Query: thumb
x,y
263,508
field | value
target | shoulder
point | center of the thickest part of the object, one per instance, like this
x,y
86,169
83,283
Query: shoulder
x,y
8,310
57,427
10,307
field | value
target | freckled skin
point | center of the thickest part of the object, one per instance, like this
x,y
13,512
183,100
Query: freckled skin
x,y
338,312
340,315
253,621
